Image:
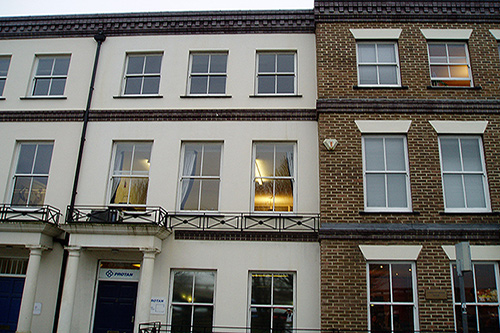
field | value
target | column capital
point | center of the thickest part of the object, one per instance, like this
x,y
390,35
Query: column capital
x,y
73,251
36,249
149,252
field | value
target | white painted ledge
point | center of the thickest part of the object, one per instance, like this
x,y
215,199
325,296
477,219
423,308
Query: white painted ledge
x,y
495,33
390,252
449,34
477,252
459,127
376,33
383,126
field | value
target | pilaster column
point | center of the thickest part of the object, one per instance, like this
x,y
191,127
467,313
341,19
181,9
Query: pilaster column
x,y
145,287
29,291
69,289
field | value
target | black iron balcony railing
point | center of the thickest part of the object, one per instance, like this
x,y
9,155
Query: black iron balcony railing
x,y
45,213
216,221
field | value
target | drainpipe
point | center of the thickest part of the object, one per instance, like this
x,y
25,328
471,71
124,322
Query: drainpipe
x,y
100,37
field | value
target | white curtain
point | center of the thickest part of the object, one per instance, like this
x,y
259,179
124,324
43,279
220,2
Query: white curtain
x,y
189,169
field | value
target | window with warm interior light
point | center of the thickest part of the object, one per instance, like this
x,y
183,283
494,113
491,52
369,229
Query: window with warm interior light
x,y
200,178
276,73
130,173
50,75
481,297
271,302
192,301
392,297
142,74
449,64
32,173
4,69
378,64
463,171
208,74
274,177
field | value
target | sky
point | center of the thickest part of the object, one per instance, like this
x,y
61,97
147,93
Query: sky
x,y
50,7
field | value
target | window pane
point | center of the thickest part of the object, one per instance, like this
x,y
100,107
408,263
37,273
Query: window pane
x,y
135,65
282,320
261,288
395,154
260,320
388,74
283,195
459,71
379,283
403,318
151,85
396,191
402,283
374,154
471,319
469,287
368,75
380,318
181,318
141,161
4,65
453,191
191,195
211,160
204,287
2,86
485,283
57,87
286,63
437,50
61,66
199,84
471,155
450,154
21,193
123,158
366,53
202,319
43,157
192,159
153,64
375,190
264,195
38,189
183,287
264,160
26,158
284,161
488,319
283,289
386,53
267,63
286,84
138,191
266,84
457,50
45,66
41,87
133,85
217,85
439,72
209,194
200,63
218,63
474,191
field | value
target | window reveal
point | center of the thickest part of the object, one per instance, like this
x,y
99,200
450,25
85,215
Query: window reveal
x,y
276,73
50,76
208,74
142,76
378,64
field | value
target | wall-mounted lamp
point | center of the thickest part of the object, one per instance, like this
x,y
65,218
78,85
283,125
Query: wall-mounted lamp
x,y
330,144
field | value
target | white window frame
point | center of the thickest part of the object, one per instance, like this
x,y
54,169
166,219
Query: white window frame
x,y
391,303
200,177
378,64
51,76
272,305
276,74
208,74
385,173
293,178
450,64
130,175
142,75
193,304
463,173
474,304
3,78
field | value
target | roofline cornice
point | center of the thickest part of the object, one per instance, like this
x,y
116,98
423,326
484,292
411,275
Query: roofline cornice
x,y
159,23
480,11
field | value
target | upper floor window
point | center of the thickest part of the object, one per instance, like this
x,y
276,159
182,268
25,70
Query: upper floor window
x,y
32,174
463,172
130,174
276,73
142,75
50,75
481,297
4,68
274,176
272,302
378,64
208,73
386,173
449,64
200,179
392,297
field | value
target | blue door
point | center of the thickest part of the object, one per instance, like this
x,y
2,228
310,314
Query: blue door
x,y
115,308
11,292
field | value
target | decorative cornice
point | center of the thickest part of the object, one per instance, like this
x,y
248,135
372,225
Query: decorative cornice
x,y
159,23
408,11
163,115
342,105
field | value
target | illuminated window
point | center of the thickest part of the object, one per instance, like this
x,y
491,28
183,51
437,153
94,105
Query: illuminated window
x,y
274,177
192,305
142,75
4,68
481,296
130,175
276,73
32,174
378,64
50,76
208,74
392,299
272,302
449,65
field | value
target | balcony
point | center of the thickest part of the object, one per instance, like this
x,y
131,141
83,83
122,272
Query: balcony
x,y
44,214
116,215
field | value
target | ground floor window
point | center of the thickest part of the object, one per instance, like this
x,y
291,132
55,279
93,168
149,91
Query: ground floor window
x,y
271,302
391,297
481,296
192,305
